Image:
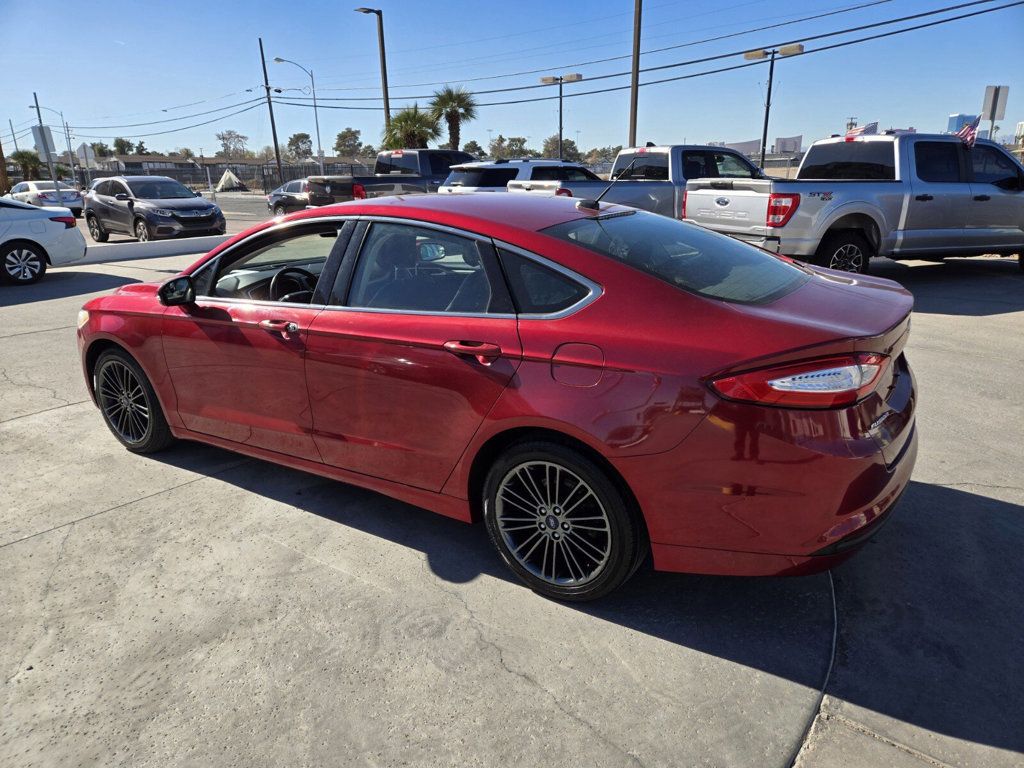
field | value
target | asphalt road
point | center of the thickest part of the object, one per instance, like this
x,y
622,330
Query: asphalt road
x,y
201,608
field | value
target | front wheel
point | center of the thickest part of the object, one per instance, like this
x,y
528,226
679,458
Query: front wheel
x,y
560,523
279,210
846,251
142,231
23,263
128,403
96,230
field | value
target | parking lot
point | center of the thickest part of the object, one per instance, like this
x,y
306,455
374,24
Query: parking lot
x,y
202,608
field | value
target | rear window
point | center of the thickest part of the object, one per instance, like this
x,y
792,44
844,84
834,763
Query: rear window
x,y
481,177
685,255
536,289
650,166
400,162
442,162
850,160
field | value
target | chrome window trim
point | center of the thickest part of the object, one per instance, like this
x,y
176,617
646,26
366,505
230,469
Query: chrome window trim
x,y
594,290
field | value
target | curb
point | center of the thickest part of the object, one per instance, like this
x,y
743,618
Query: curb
x,y
98,254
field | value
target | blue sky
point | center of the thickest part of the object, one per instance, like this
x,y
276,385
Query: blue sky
x,y
127,62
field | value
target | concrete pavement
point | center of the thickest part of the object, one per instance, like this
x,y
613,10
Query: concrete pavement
x,y
199,608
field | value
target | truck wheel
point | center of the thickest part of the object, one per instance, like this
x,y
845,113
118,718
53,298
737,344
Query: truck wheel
x,y
846,250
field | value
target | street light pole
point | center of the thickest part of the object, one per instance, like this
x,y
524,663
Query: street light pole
x,y
634,86
383,62
551,80
786,50
270,106
316,113
49,157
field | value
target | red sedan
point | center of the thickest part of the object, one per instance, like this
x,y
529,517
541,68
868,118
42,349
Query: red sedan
x,y
595,385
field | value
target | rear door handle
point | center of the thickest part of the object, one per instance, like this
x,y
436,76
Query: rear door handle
x,y
279,326
982,198
924,198
483,352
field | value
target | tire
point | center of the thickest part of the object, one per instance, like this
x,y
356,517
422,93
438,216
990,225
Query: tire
x,y
279,210
128,403
96,230
22,263
141,229
846,250
596,542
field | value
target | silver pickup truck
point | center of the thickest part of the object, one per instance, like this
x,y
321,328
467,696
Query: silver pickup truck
x,y
652,178
901,196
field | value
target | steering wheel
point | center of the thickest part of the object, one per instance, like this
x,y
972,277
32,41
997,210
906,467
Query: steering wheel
x,y
305,280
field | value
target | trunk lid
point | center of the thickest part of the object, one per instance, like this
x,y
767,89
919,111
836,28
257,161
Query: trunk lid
x,y
733,206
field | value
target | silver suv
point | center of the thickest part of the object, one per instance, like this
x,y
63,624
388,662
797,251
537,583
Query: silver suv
x,y
494,175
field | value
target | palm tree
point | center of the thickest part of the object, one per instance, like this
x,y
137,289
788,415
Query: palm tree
x,y
28,161
410,128
455,105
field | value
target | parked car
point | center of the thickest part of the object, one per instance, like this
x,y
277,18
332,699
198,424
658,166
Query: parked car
x,y
42,193
595,385
311,191
32,239
651,178
902,196
403,172
149,207
494,175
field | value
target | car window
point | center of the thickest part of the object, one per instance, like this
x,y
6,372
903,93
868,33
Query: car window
x,y
160,189
937,161
117,188
729,166
569,173
411,268
441,162
850,160
695,165
545,173
686,256
103,188
537,289
481,177
990,166
397,161
18,188
649,166
248,274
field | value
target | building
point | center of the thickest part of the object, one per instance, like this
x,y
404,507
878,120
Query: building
x,y
958,121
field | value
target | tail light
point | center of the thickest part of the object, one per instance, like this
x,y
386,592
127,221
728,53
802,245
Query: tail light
x,y
781,207
828,382
358,192
563,192
682,211
67,221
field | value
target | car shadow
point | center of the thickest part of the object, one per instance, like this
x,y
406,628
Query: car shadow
x,y
59,284
975,287
929,613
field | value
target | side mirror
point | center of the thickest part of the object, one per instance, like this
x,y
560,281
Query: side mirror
x,y
199,194
177,291
122,197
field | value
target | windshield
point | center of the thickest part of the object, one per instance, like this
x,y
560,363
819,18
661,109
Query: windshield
x,y
685,255
159,189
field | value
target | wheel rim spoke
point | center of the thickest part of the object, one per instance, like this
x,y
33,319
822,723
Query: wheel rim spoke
x,y
124,402
552,523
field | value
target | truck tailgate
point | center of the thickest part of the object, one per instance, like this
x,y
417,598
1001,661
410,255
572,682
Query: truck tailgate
x,y
732,206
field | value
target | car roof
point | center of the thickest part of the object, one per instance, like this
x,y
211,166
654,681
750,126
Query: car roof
x,y
487,210
519,163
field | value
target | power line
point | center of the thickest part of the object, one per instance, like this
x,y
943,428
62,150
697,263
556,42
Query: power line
x,y
185,127
170,119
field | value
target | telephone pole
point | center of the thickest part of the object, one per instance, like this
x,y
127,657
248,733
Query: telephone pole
x,y
5,183
635,82
270,106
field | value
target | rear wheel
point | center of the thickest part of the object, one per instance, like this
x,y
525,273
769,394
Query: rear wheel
x,y
560,523
22,263
846,250
142,231
96,230
128,403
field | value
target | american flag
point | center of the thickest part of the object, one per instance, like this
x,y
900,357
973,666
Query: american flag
x,y
969,133
863,130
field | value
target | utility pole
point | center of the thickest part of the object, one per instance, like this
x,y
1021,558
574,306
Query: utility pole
x,y
15,138
635,82
551,80
767,106
5,183
49,156
273,125
383,62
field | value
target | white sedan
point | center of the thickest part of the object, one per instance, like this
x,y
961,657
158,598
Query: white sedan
x,y
31,239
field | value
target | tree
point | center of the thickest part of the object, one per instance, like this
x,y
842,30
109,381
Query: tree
x,y
266,154
348,143
28,162
599,155
411,128
474,148
496,148
232,144
516,147
300,146
570,151
100,149
140,149
186,153
367,150
455,106
122,146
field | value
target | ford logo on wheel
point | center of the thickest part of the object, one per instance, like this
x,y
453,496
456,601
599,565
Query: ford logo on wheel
x,y
722,201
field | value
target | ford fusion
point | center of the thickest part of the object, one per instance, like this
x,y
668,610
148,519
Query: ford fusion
x,y
596,384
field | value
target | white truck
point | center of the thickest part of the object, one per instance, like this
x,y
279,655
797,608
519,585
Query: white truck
x,y
901,196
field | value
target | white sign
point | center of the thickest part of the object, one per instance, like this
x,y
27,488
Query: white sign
x,y
44,142
994,107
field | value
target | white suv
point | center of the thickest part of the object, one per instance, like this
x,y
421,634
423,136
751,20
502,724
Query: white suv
x,y
494,175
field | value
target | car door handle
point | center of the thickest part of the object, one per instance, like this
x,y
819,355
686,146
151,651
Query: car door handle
x,y
982,198
483,352
279,326
924,198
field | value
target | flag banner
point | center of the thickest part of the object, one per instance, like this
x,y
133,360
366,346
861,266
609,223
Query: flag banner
x,y
969,133
864,130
